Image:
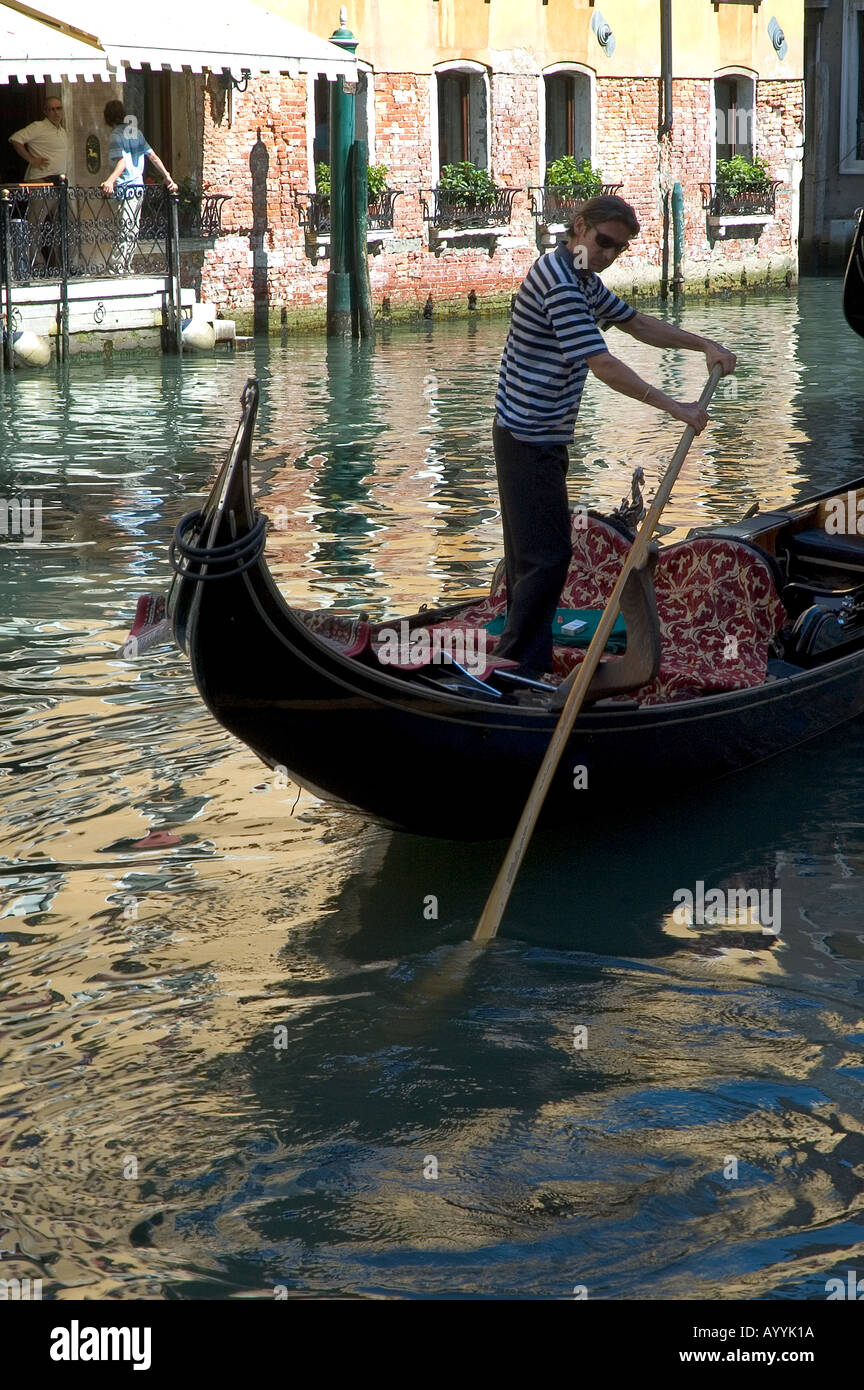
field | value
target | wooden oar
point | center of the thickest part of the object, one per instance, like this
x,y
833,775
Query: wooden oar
x,y
503,886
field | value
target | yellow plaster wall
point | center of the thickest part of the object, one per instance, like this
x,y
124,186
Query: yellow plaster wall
x,y
525,35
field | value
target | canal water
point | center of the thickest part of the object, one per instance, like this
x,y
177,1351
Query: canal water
x,y
245,1049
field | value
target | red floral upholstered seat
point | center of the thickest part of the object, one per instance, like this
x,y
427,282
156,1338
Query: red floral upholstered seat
x,y
716,600
719,611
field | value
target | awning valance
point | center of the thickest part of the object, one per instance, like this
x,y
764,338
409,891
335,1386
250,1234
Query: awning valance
x,y
195,34
31,49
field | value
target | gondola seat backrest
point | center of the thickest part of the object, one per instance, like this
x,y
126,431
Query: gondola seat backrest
x,y
717,604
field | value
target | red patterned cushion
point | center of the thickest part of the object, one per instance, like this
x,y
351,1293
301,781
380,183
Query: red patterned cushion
x,y
719,610
716,601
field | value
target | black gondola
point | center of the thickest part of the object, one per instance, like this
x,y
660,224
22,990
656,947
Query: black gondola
x,y
442,753
853,284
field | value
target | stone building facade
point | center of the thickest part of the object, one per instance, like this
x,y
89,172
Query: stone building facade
x,y
507,85
834,156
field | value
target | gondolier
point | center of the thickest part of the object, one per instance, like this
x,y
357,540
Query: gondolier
x,y
554,339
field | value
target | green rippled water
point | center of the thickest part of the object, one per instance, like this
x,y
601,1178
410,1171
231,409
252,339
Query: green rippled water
x,y
237,1053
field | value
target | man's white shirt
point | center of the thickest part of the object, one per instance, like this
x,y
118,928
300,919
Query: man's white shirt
x,y
47,141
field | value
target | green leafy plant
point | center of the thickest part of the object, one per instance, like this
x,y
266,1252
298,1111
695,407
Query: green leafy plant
x,y
376,175
465,184
574,178
739,176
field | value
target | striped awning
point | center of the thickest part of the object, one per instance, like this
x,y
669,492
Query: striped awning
x,y
222,35
31,49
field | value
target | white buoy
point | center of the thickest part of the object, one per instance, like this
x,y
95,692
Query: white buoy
x,y
31,348
226,330
198,334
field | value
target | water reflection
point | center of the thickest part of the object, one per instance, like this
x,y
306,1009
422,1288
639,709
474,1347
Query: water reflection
x,y
233,1031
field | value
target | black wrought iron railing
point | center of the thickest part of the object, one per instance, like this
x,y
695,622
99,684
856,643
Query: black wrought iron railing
x,y
314,212
552,206
52,225
756,202
441,209
200,214
53,234
56,230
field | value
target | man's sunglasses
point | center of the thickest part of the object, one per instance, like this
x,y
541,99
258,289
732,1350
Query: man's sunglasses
x,y
53,108
608,243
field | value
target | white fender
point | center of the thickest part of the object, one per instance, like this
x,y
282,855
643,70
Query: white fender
x,y
31,348
198,334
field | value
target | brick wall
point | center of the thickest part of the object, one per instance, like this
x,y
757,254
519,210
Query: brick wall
x,y
627,153
255,147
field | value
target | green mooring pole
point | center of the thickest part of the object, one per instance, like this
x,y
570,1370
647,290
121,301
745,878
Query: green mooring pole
x,y
341,139
362,313
678,238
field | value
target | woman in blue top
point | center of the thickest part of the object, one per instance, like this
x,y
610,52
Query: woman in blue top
x,y
128,149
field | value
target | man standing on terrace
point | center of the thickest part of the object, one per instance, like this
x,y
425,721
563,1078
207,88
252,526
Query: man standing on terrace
x,y
554,339
43,145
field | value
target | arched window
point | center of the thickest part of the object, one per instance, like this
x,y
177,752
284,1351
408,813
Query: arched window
x,y
461,94
734,113
568,114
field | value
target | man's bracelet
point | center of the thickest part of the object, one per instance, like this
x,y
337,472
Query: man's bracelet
x,y
647,394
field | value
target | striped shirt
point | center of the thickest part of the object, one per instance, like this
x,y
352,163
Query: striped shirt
x,y
554,329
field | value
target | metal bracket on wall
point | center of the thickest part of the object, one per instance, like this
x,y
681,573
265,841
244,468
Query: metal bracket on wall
x,y
603,33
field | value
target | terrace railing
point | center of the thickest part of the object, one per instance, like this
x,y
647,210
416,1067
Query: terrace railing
x,y
55,225
200,215
51,233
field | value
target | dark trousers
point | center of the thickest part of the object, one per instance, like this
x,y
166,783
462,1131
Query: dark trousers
x,y
532,485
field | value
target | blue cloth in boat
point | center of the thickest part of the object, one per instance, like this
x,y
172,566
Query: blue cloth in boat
x,y
574,627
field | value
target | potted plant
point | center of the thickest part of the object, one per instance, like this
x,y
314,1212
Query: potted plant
x,y
573,178
376,178
743,185
464,185
569,181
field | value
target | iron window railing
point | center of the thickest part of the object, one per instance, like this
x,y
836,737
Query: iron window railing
x,y
441,209
314,212
550,206
756,202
